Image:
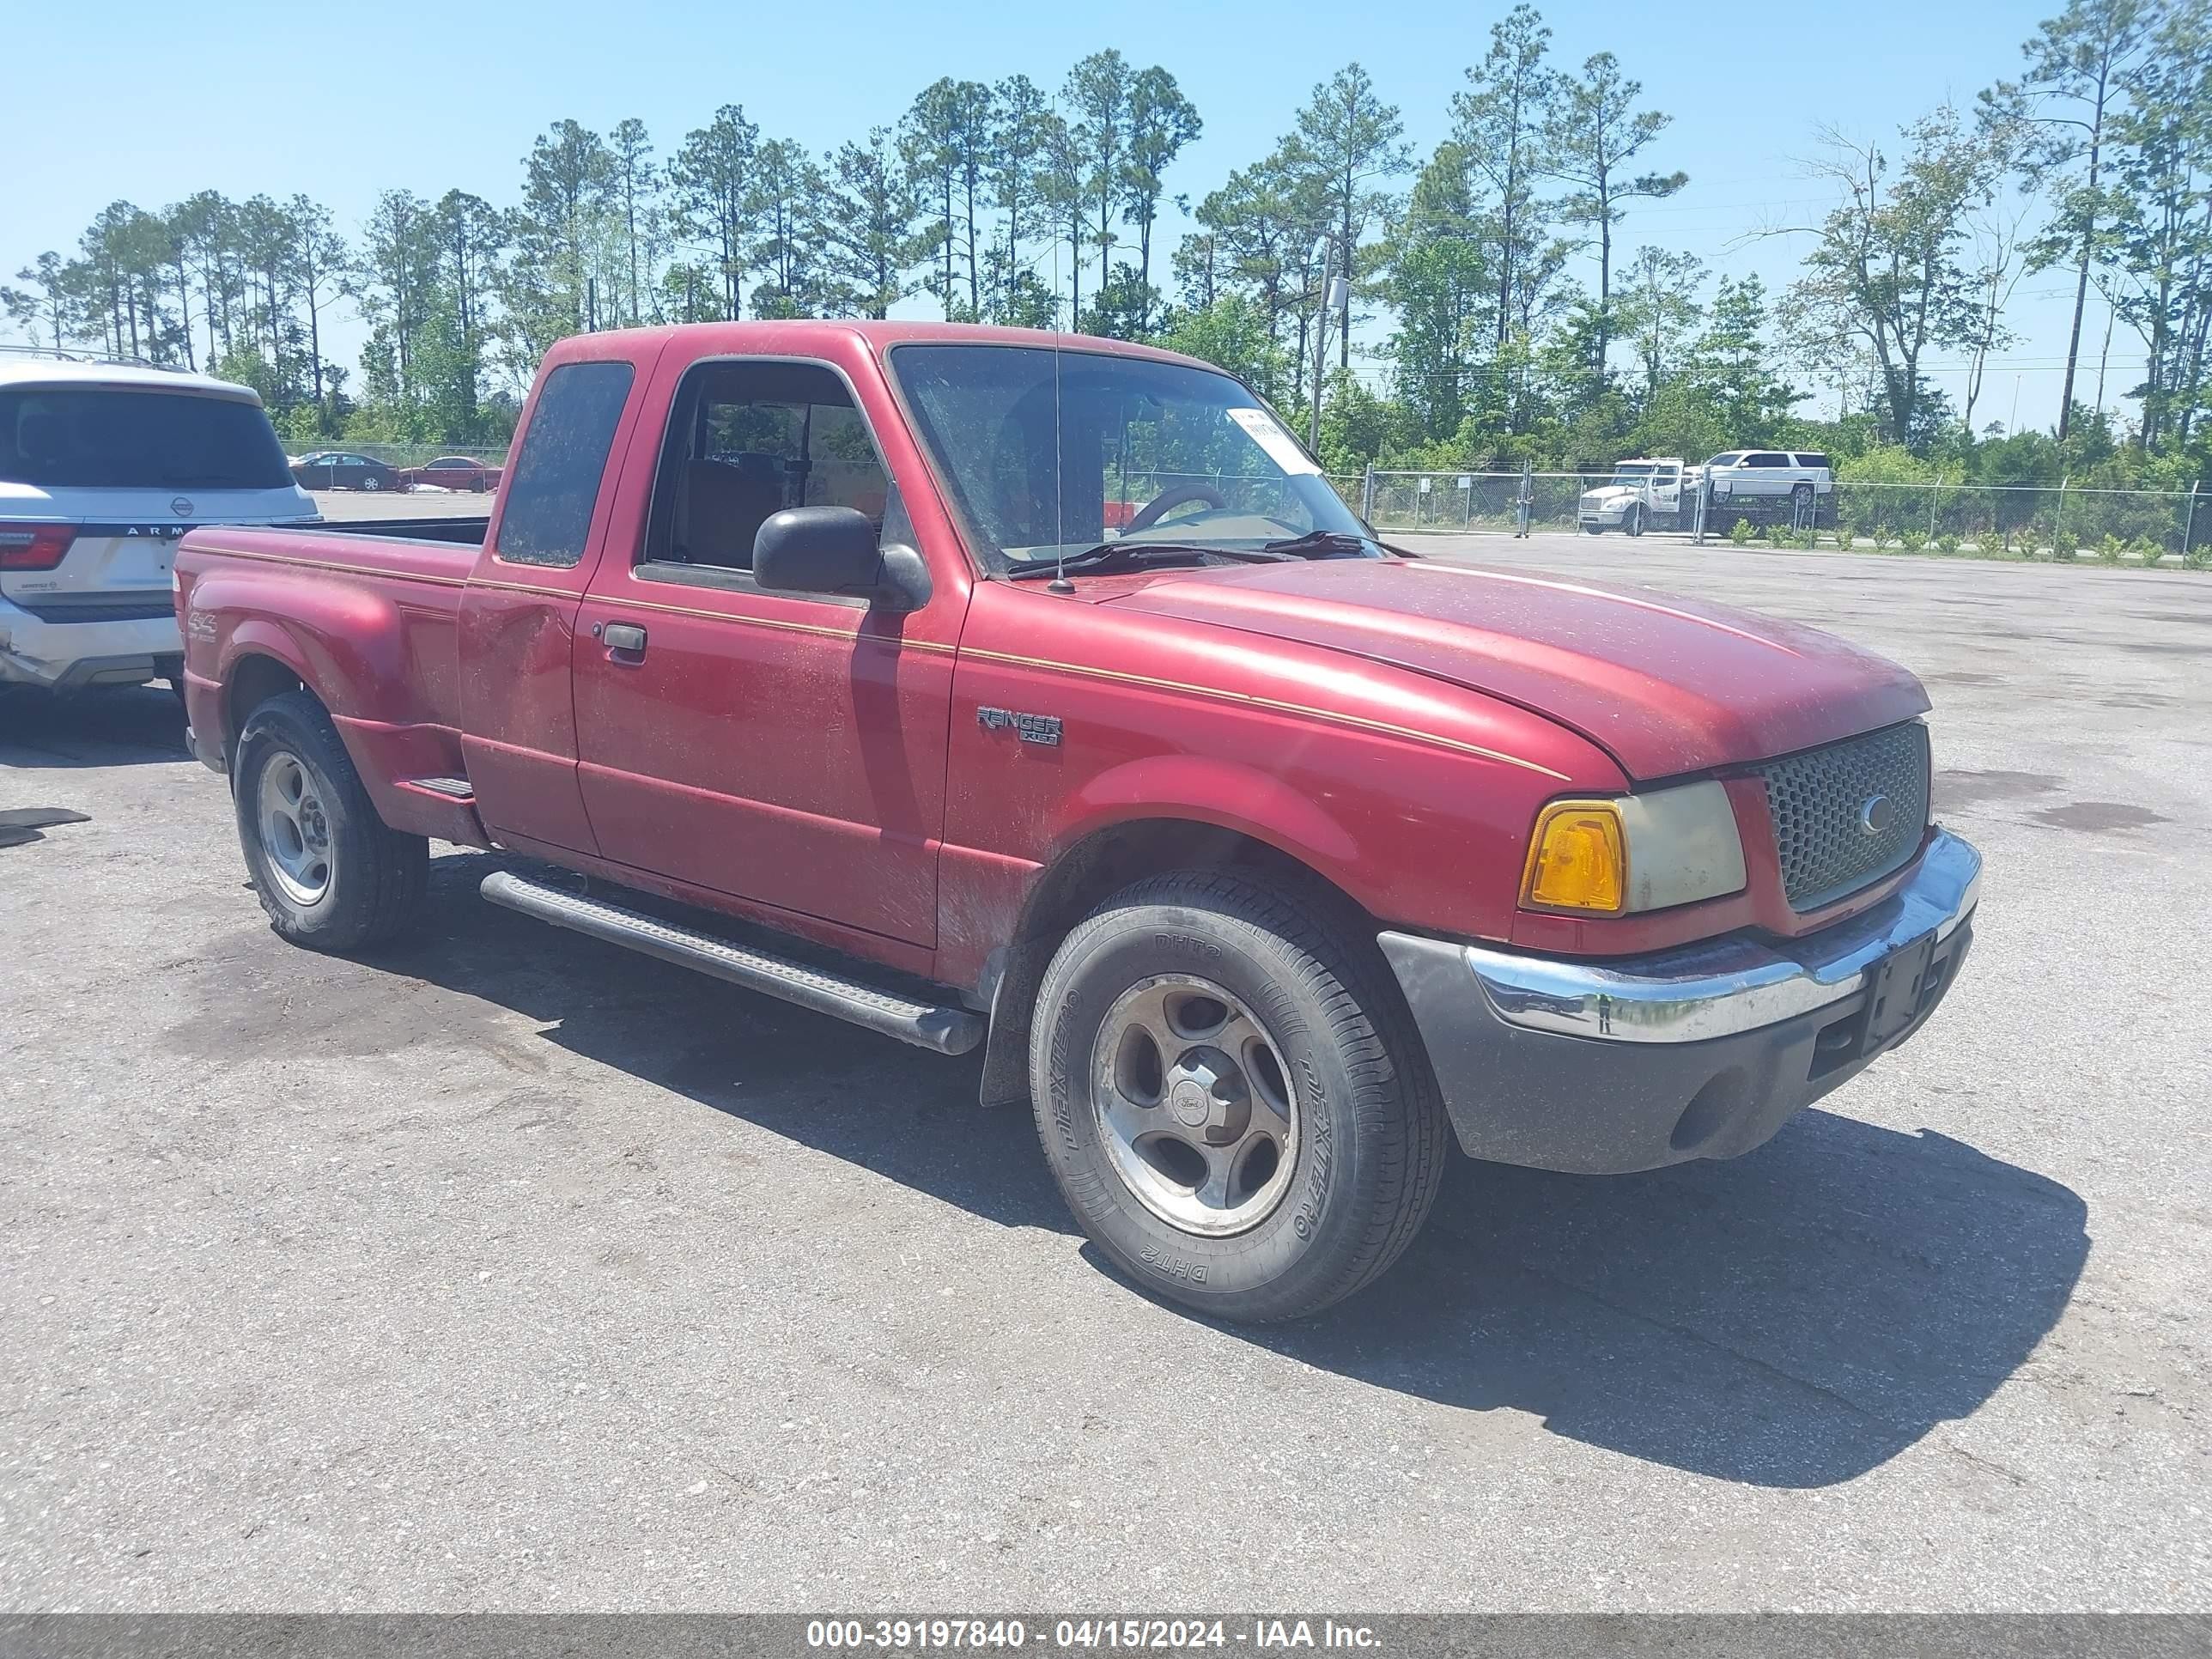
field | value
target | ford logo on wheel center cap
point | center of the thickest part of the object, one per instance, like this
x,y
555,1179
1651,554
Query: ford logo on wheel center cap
x,y
1876,814
182,507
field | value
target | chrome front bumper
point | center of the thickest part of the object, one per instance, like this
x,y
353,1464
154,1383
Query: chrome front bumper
x,y
1606,1067
1736,985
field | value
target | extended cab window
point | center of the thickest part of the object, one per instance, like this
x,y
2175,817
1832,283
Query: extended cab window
x,y
746,440
555,484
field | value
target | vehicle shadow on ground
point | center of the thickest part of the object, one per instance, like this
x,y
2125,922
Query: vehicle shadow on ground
x,y
1793,1318
125,725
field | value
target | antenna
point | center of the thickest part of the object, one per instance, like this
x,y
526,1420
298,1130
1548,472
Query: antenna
x,y
1058,584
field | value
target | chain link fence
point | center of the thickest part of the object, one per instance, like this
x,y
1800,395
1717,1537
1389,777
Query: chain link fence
x,y
1994,520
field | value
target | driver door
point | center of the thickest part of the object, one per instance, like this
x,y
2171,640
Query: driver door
x,y
782,749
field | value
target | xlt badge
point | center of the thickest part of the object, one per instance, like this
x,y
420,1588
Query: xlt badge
x,y
1030,728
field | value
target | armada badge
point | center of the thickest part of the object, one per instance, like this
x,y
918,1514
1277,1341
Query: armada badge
x,y
1030,728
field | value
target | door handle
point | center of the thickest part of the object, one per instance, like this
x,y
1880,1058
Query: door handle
x,y
626,637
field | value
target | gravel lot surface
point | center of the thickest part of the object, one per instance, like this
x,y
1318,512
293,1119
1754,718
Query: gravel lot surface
x,y
510,1270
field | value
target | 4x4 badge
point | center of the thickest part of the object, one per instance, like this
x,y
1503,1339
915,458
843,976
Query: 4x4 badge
x,y
1030,728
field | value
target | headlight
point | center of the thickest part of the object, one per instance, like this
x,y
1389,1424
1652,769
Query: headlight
x,y
1632,853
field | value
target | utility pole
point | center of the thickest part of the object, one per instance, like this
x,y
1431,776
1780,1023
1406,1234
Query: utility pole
x,y
1335,291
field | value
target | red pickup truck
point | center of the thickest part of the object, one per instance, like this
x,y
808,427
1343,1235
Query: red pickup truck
x,y
1263,858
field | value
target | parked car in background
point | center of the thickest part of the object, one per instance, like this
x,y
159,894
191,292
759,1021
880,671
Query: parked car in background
x,y
1768,486
1644,494
340,469
1263,858
102,467
454,472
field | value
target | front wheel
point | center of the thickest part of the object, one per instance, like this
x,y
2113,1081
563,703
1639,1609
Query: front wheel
x,y
1633,525
1593,529
1231,1098
372,483
330,873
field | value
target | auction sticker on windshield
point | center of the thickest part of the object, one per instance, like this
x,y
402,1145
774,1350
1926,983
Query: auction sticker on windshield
x,y
1267,432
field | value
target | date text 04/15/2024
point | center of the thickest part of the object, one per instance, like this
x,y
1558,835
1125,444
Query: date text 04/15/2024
x,y
1166,1635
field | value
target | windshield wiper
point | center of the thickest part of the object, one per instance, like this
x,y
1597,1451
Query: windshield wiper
x,y
1137,555
1322,544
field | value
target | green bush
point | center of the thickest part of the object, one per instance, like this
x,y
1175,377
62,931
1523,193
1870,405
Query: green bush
x,y
2150,552
2112,551
1740,532
1844,535
1883,538
1807,539
1912,538
2064,547
2198,558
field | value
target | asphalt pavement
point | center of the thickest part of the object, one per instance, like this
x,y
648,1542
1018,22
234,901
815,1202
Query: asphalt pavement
x,y
511,1271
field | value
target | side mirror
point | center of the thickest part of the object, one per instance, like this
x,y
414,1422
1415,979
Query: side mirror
x,y
833,550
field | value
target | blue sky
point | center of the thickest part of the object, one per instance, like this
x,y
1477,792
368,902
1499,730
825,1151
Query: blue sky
x,y
340,102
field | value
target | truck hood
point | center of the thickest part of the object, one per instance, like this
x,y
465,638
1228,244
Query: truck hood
x,y
1664,686
1612,492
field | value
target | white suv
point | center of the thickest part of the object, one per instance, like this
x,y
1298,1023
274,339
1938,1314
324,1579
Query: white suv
x,y
1769,485
102,467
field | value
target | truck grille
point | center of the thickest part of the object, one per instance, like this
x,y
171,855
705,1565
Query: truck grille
x,y
1831,839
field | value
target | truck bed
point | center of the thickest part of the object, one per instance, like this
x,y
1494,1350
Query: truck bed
x,y
369,614
468,531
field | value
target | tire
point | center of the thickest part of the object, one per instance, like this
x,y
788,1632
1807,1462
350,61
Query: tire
x,y
1633,523
1593,529
339,879
372,483
1356,1159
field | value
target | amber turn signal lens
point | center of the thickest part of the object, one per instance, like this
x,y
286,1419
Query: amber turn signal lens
x,y
1577,859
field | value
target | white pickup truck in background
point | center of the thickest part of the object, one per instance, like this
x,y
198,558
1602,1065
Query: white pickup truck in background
x,y
1645,494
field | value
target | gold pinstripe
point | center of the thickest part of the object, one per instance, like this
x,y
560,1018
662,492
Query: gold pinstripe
x,y
1274,704
1249,700
346,569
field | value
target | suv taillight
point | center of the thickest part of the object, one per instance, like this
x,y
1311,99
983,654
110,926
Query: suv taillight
x,y
34,546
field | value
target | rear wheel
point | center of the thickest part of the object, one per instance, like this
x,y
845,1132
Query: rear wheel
x,y
1232,1096
329,873
1801,505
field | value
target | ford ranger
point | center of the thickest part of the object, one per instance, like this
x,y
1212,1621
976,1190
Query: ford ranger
x,y
1035,695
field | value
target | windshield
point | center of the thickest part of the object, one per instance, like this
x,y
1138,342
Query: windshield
x,y
1626,474
1050,453
128,439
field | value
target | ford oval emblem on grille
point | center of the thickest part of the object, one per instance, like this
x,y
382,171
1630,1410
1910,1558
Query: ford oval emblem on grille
x,y
182,507
1876,814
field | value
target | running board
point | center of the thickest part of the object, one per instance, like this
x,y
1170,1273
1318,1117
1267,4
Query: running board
x,y
947,1030
452,788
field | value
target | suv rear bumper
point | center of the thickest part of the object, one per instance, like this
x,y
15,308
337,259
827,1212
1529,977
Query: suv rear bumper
x,y
63,655
1604,1068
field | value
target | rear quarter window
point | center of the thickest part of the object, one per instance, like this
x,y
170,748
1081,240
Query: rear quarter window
x,y
1819,461
122,438
553,483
